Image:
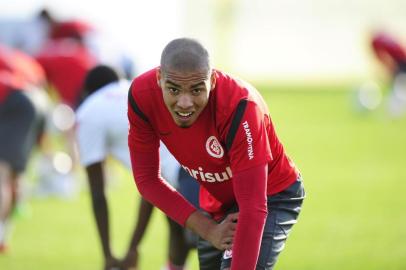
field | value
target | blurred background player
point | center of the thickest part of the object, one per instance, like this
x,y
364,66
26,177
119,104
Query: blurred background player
x,y
22,106
71,49
390,52
102,129
65,64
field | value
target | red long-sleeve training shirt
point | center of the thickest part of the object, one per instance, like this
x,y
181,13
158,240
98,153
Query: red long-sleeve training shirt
x,y
232,150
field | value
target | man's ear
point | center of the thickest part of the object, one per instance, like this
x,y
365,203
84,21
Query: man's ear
x,y
213,80
158,76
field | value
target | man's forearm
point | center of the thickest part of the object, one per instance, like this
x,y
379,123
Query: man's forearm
x,y
250,192
201,224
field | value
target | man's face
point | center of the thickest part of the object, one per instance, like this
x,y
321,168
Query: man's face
x,y
185,93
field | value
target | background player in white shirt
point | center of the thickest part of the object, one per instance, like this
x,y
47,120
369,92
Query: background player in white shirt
x,y
102,130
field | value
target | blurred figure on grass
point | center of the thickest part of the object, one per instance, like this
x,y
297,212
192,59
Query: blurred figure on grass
x,y
392,55
23,105
65,64
102,130
67,49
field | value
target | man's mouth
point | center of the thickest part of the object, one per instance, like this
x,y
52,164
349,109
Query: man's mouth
x,y
184,114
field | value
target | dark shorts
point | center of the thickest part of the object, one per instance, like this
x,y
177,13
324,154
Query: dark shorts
x,y
19,129
283,210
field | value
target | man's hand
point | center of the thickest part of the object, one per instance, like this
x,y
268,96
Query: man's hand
x,y
220,235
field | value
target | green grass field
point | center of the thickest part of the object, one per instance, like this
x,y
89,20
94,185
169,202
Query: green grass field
x,y
353,217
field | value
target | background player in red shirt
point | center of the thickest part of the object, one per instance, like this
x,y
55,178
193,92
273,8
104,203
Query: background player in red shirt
x,y
22,117
220,131
391,53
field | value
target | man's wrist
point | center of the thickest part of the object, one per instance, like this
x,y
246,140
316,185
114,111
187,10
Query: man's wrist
x,y
201,224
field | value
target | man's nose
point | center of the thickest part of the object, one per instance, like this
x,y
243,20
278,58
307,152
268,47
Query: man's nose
x,y
184,101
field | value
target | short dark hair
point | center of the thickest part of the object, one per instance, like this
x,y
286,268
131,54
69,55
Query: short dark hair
x,y
98,77
46,15
185,54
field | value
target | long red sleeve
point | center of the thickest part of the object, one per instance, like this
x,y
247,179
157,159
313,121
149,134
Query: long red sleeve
x,y
250,192
154,189
144,151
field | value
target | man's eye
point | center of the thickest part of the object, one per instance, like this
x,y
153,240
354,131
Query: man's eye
x,y
173,90
196,91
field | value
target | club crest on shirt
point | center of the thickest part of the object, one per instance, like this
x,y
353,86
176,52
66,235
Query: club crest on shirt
x,y
214,148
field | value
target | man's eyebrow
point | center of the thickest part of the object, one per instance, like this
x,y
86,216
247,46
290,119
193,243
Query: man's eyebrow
x,y
174,84
198,84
